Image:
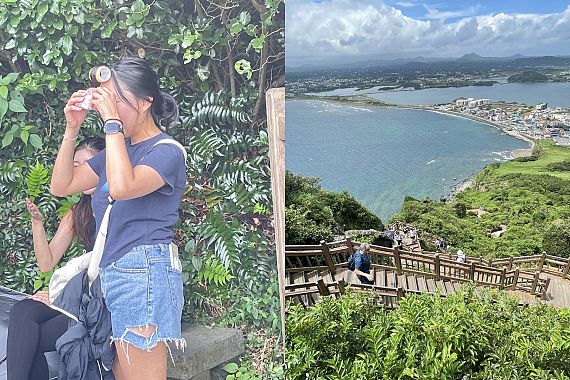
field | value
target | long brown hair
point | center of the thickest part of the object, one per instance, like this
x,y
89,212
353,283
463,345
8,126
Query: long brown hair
x,y
83,219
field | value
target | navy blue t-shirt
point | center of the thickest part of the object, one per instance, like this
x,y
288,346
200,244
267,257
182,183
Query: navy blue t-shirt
x,y
144,220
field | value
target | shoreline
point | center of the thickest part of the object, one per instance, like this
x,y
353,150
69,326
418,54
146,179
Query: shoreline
x,y
368,101
493,124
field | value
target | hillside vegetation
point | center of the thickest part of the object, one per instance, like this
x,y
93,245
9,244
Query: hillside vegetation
x,y
530,197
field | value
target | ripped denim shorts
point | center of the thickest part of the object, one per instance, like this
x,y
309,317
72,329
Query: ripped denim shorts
x,y
142,289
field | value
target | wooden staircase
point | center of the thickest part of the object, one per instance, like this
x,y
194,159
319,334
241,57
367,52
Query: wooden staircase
x,y
319,270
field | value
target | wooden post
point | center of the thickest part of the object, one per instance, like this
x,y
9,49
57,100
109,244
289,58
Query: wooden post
x,y
546,284
503,275
397,260
515,279
472,271
534,283
328,258
275,107
349,245
400,292
510,263
437,266
541,263
341,287
566,269
323,289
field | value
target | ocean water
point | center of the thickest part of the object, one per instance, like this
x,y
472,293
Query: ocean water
x,y
555,94
380,155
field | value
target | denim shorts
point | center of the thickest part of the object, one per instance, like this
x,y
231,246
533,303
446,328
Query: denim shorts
x,y
141,289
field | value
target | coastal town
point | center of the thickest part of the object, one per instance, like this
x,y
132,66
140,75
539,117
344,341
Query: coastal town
x,y
529,122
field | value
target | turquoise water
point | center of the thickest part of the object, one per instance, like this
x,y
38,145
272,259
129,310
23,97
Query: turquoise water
x,y
555,94
380,155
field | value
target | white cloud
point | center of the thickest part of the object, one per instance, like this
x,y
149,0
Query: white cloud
x,y
355,29
405,4
435,14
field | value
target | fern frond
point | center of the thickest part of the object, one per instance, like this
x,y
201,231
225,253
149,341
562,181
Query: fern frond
x,y
215,108
37,178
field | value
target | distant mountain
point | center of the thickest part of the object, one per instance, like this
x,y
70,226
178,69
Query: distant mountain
x,y
421,62
471,57
546,60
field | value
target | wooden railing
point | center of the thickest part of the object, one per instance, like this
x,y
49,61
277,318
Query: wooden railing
x,y
513,273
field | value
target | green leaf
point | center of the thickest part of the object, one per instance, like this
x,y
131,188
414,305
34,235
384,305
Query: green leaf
x,y
58,24
4,92
67,45
16,106
11,77
188,40
3,108
257,43
108,29
231,368
24,135
15,95
80,18
235,27
138,6
10,44
7,140
244,18
37,285
42,10
36,141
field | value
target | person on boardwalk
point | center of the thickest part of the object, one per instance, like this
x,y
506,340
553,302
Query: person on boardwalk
x,y
34,327
362,264
460,256
140,271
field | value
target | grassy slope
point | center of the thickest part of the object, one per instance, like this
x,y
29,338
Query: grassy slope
x,y
521,195
551,153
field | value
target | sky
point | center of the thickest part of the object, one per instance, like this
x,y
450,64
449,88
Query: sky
x,y
320,32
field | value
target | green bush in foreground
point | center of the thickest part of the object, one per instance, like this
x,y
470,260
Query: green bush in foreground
x,y
313,214
480,334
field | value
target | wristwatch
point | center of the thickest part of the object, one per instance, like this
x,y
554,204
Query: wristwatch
x,y
112,127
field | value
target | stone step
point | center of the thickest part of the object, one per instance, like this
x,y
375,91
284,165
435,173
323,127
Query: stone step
x,y
207,348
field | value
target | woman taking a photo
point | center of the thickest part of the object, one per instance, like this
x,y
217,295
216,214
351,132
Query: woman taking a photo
x,y
34,327
140,279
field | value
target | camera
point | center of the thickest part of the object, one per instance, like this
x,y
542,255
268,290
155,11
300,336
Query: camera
x,y
86,103
100,74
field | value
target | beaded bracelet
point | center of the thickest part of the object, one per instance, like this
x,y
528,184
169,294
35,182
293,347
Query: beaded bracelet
x,y
70,138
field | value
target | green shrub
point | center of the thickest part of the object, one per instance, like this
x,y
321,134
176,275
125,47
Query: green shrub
x,y
313,214
480,334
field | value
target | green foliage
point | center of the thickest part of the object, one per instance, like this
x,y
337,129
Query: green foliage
x,y
527,77
557,238
36,179
531,203
563,166
313,214
46,51
480,334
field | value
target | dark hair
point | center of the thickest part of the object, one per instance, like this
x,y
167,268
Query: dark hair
x,y
83,220
136,75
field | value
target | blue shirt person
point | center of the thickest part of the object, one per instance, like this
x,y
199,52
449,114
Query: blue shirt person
x,y
362,264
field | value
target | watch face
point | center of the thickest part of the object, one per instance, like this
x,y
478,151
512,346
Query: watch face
x,y
112,127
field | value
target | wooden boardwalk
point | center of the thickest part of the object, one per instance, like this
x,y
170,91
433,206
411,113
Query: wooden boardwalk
x,y
558,293
313,271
